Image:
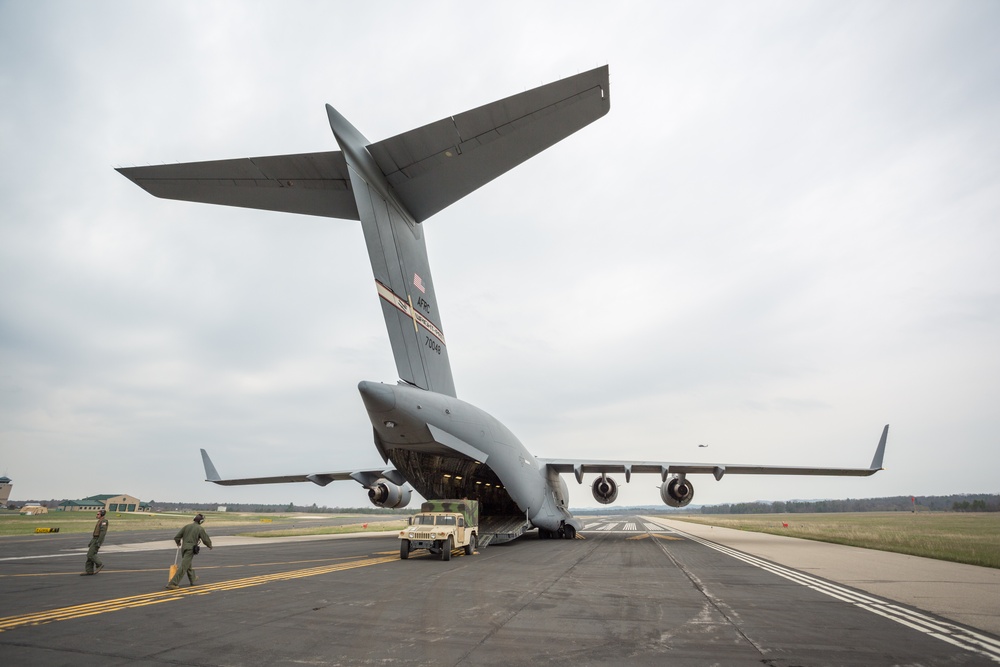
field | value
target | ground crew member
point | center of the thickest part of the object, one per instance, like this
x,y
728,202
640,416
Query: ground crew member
x,y
94,564
187,538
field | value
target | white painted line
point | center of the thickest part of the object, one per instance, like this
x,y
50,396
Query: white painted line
x,y
963,638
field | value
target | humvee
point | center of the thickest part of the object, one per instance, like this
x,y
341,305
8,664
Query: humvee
x,y
442,525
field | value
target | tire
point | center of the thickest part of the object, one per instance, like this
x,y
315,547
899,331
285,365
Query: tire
x,y
570,533
446,548
404,549
470,548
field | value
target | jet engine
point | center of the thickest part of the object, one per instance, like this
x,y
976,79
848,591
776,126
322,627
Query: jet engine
x,y
605,490
677,491
384,493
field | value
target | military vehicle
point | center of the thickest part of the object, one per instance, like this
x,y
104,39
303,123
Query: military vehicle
x,y
441,526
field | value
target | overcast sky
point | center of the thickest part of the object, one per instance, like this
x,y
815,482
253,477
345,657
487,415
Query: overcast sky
x,y
783,236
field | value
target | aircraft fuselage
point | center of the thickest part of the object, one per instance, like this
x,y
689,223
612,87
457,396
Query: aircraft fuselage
x,y
421,431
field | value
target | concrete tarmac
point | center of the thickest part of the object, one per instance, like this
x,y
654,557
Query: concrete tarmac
x,y
630,590
966,594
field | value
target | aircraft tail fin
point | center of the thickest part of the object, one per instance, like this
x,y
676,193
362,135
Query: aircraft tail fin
x,y
401,181
393,185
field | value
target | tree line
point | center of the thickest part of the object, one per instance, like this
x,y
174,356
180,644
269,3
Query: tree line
x,y
978,502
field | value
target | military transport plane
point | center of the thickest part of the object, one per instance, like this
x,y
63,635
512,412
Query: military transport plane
x,y
440,445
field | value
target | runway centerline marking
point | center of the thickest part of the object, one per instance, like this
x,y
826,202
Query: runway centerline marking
x,y
156,597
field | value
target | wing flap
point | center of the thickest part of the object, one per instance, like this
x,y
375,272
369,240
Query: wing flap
x,y
306,183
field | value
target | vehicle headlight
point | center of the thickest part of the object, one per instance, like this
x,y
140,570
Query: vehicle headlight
x,y
411,536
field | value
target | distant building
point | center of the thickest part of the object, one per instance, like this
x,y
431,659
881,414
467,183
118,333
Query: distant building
x,y
5,487
34,508
111,503
81,505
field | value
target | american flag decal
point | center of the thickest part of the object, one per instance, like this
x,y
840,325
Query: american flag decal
x,y
419,283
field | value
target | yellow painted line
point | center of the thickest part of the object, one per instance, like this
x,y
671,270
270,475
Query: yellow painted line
x,y
107,571
146,599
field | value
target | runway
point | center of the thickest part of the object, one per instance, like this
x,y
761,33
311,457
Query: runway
x,y
633,590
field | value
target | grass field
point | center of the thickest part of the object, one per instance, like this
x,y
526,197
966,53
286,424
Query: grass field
x,y
83,522
972,538
364,526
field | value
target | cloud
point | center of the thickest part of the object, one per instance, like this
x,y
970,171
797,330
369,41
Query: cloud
x,y
779,239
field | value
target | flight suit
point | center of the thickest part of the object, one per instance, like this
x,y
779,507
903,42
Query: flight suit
x,y
186,538
94,563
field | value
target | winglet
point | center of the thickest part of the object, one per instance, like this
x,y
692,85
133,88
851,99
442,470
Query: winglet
x,y
211,474
880,451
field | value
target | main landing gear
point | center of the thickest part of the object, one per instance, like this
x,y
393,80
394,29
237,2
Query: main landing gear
x,y
565,532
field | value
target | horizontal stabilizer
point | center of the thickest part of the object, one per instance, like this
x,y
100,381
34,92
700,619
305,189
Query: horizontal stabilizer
x,y
434,166
428,168
308,183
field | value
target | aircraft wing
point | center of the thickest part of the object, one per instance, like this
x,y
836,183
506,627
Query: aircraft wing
x,y
307,183
580,467
364,477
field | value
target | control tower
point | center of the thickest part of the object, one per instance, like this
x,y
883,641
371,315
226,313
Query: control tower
x,y
5,487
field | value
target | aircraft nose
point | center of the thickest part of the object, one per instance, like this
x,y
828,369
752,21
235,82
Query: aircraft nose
x,y
378,397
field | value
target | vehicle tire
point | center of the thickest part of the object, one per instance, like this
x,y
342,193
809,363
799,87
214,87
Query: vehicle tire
x,y
470,548
404,549
446,548
570,533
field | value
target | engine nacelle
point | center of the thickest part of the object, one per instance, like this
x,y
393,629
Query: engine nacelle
x,y
605,490
384,493
677,491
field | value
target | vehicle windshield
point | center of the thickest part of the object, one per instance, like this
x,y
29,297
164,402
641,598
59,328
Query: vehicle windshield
x,y
446,521
423,520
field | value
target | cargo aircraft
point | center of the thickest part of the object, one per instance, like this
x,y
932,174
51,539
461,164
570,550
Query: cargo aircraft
x,y
436,443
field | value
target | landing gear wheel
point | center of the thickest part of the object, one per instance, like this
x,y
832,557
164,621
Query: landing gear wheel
x,y
446,549
561,533
470,548
404,549
570,533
